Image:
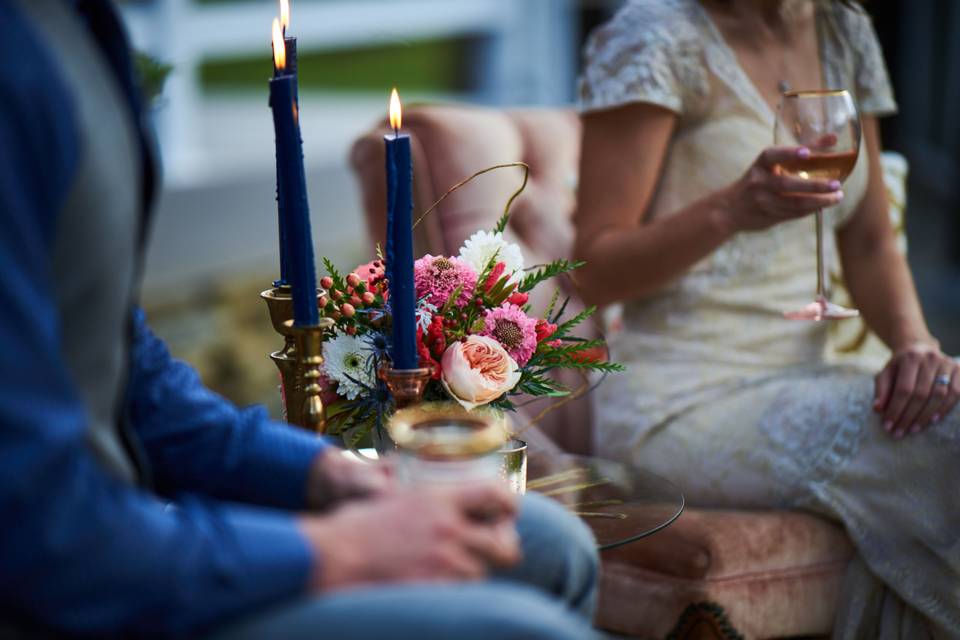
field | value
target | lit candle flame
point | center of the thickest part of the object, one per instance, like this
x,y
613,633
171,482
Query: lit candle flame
x,y
279,47
395,111
285,15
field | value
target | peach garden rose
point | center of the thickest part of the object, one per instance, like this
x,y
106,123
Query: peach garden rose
x,y
477,371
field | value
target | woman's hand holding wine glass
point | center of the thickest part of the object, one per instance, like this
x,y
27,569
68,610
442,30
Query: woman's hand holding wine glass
x,y
766,195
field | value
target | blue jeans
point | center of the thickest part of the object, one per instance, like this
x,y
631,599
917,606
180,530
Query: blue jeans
x,y
551,594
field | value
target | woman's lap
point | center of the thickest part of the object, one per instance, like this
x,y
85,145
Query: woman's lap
x,y
767,444
812,441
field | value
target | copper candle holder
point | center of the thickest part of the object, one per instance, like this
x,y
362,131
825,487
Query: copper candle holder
x,y
299,360
405,385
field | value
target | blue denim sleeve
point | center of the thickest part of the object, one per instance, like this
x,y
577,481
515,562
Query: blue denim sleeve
x,y
80,550
197,441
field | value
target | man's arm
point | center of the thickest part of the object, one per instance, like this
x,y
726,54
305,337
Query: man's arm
x,y
80,550
197,441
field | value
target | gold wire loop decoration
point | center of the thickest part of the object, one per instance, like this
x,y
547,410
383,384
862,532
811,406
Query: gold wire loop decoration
x,y
506,209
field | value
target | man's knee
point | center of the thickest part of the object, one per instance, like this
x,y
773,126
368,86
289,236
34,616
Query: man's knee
x,y
516,613
559,554
545,524
479,611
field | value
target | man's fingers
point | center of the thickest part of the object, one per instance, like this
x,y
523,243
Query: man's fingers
x,y
496,544
454,562
772,156
486,501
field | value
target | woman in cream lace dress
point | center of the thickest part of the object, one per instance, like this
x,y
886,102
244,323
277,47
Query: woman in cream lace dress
x,y
685,221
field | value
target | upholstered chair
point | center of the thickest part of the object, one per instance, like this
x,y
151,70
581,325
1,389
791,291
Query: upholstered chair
x,y
712,574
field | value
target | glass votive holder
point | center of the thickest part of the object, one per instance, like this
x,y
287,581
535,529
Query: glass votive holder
x,y
441,444
513,465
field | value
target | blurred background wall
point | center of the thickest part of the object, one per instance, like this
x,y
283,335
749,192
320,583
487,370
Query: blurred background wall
x,y
214,242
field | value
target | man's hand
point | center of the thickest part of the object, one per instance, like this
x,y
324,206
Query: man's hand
x,y
335,477
434,535
917,388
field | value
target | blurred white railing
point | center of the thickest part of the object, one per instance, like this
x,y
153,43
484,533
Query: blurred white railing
x,y
529,56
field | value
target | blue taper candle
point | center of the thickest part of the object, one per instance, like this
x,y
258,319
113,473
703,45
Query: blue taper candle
x,y
290,68
400,243
292,191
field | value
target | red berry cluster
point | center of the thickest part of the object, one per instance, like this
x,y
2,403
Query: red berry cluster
x,y
343,300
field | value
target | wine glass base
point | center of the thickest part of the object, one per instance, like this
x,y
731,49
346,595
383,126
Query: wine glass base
x,y
821,310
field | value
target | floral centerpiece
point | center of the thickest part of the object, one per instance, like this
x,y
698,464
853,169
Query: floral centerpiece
x,y
476,331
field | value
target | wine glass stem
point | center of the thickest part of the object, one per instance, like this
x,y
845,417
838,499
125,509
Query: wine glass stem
x,y
820,268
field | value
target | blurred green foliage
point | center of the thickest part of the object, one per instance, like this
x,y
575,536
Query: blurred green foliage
x,y
422,66
153,74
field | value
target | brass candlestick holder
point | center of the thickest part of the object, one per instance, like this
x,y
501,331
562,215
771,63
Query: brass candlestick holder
x,y
298,361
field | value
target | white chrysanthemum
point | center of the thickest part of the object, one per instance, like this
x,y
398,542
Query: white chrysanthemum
x,y
346,357
483,245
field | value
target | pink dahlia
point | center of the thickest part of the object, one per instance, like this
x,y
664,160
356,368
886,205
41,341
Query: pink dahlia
x,y
437,277
512,328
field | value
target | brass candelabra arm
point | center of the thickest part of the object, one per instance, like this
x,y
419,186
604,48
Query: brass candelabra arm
x,y
280,305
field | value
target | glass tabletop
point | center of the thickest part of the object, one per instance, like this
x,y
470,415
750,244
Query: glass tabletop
x,y
620,503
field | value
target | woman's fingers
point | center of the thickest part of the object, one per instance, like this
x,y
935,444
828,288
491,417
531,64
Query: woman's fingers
x,y
788,207
882,386
919,397
825,142
903,387
939,395
953,397
773,156
790,184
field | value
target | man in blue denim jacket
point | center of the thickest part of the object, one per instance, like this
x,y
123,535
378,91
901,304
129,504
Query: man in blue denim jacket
x,y
135,502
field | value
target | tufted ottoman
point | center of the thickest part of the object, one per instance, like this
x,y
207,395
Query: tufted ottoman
x,y
727,574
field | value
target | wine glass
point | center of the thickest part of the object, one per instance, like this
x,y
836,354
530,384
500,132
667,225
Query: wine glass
x,y
828,124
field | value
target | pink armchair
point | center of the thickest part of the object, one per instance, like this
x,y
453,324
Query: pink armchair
x,y
712,574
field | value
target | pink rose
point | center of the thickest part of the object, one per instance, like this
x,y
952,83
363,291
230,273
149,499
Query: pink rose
x,y
477,371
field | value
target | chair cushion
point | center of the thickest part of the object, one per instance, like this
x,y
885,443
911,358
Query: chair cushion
x,y
775,573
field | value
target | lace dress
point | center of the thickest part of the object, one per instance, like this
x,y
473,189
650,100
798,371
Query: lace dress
x,y
738,405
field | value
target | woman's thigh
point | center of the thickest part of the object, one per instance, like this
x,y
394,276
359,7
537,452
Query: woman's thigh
x,y
757,446
771,445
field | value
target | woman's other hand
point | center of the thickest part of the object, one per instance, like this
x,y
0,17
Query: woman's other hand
x,y
766,195
917,388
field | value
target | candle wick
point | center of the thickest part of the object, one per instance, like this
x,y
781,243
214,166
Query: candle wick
x,y
396,133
